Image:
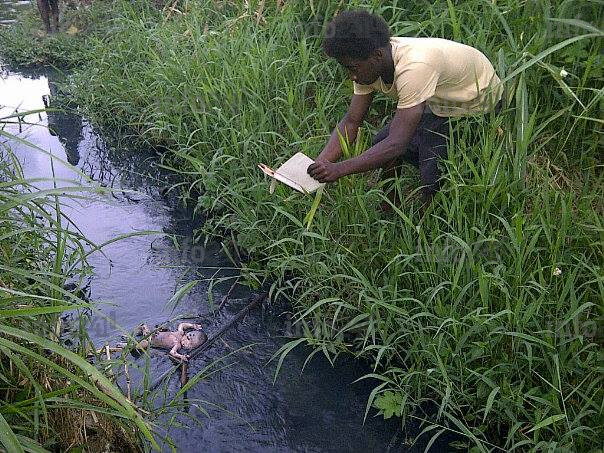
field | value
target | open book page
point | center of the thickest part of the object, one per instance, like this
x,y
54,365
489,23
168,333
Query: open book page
x,y
293,173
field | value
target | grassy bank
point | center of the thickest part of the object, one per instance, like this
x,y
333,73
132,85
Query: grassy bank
x,y
27,44
51,396
485,316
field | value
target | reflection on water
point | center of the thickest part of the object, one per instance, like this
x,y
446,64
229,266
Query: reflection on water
x,y
319,410
67,128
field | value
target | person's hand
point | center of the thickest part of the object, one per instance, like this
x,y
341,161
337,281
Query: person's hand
x,y
325,171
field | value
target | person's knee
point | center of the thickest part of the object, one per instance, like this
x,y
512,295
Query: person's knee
x,y
430,176
392,168
431,189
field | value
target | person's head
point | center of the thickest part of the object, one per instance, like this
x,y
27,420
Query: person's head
x,y
193,338
358,40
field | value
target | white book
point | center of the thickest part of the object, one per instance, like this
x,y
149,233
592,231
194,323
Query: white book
x,y
293,173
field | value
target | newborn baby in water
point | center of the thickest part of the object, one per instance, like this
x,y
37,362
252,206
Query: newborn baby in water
x,y
173,340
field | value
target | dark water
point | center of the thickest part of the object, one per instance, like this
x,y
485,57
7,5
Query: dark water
x,y
319,410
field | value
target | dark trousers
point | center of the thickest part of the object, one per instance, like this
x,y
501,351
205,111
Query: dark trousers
x,y
49,11
428,144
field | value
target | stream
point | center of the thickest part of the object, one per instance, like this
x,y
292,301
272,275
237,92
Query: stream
x,y
319,409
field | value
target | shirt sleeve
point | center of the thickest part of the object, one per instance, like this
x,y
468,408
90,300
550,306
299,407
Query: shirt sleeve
x,y
362,89
416,84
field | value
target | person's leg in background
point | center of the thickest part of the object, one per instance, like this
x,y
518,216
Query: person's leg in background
x,y
54,15
428,145
433,145
44,9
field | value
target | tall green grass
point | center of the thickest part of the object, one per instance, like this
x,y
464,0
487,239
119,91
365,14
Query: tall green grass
x,y
50,396
464,314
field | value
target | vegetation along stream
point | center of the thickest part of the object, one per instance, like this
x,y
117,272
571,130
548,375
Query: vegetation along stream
x,y
475,322
135,278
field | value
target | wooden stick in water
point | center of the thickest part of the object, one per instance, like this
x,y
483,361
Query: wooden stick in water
x,y
184,375
226,296
129,395
104,350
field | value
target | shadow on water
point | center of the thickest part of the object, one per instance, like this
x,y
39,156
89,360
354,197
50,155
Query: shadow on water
x,y
318,410
67,128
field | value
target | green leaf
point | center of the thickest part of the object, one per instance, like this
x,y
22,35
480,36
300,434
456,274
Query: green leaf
x,y
490,400
389,403
182,292
37,311
548,421
8,438
282,353
313,209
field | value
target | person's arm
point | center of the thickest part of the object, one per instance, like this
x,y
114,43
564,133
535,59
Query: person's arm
x,y
359,105
402,128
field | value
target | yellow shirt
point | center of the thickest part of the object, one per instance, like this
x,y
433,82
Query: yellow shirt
x,y
454,79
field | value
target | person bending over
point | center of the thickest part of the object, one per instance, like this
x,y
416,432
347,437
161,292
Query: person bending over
x,y
432,79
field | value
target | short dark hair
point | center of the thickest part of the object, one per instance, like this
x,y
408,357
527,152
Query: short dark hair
x,y
355,34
